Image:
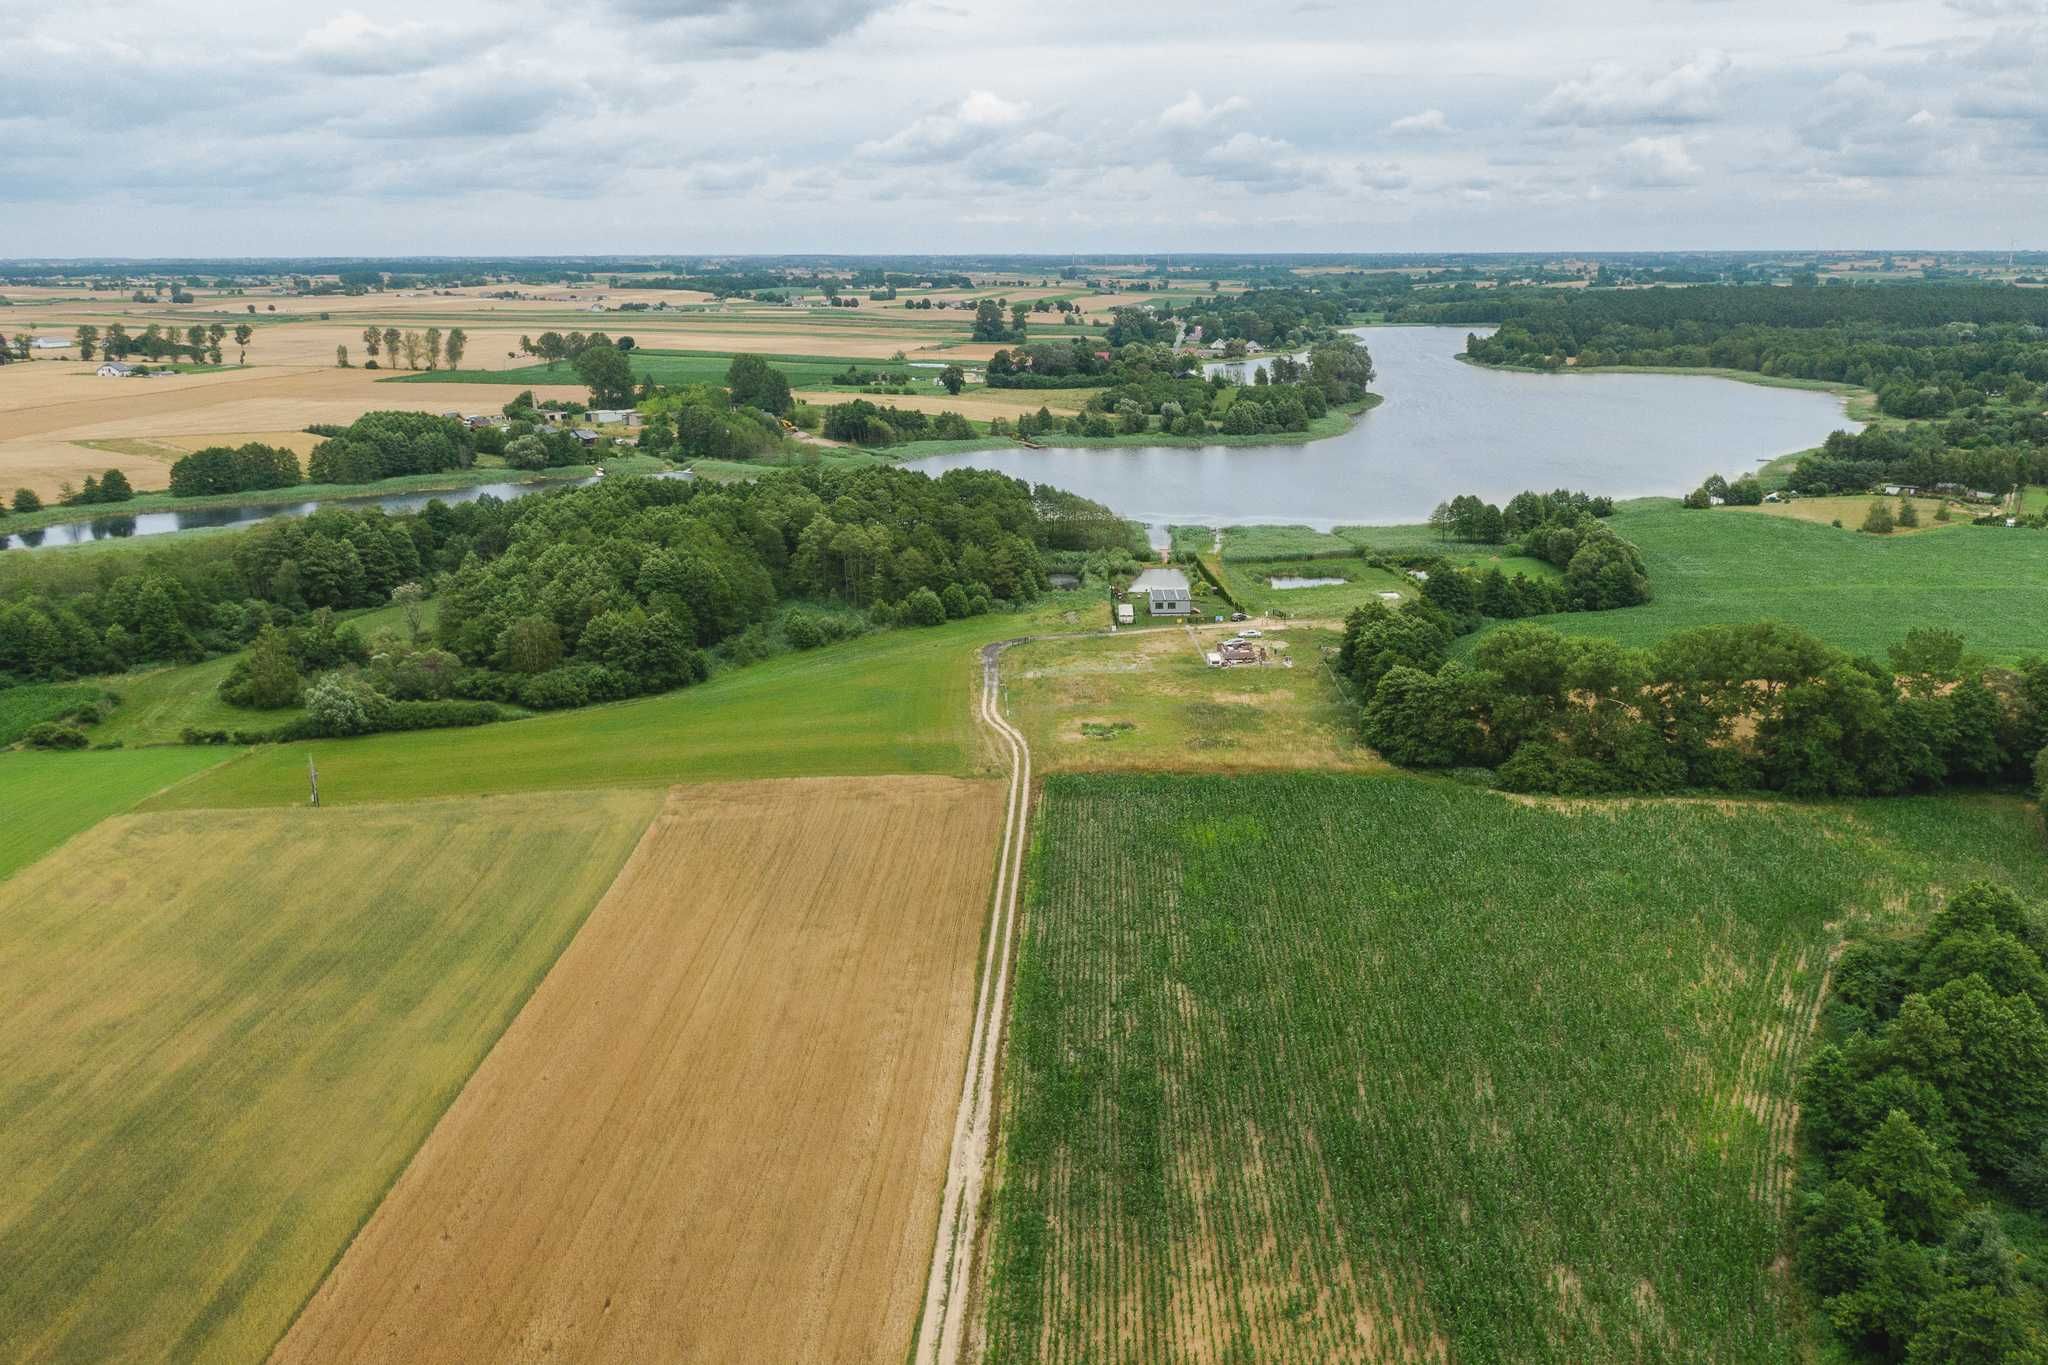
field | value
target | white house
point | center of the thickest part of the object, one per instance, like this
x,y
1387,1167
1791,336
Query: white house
x,y
611,417
49,343
115,369
1166,592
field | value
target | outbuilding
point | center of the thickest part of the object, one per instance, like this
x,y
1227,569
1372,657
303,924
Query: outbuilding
x,y
1166,592
115,369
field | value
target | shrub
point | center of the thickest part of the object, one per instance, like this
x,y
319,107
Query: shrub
x,y
53,735
923,608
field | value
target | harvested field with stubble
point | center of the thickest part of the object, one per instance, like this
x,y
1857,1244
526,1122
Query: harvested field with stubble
x,y
719,1130
1328,1068
226,1033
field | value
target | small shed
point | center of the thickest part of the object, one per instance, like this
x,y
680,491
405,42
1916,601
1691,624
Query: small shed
x,y
1124,615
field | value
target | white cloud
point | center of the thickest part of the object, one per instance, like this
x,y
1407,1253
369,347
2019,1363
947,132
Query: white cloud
x,y
952,133
1657,162
1189,112
1615,94
1426,123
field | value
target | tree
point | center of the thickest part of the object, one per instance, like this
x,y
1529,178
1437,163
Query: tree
x,y
341,357
1441,520
410,598
1878,520
268,679
609,375
432,345
391,339
88,338
1909,515
953,378
531,644
372,339
26,501
754,383
243,334
114,487
458,342
924,608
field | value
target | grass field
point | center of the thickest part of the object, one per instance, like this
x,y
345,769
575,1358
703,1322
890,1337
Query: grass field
x,y
22,708
893,702
1851,510
45,798
1250,582
1859,592
719,1131
1147,700
228,1033
1352,1068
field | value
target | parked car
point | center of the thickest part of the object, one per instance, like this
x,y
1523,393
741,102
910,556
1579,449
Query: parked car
x,y
1250,635
1239,616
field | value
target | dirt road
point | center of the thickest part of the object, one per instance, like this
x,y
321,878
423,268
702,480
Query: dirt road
x,y
943,1327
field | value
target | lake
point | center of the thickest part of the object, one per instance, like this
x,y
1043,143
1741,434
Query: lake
x,y
119,526
1445,428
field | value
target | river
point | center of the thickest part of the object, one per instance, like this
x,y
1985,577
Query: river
x,y
117,526
1445,428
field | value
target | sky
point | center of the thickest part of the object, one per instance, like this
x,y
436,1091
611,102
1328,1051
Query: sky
x,y
237,128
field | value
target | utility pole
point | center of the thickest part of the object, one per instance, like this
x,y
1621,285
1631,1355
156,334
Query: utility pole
x,y
313,780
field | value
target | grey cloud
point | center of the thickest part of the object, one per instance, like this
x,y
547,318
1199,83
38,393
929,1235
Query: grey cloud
x,y
758,25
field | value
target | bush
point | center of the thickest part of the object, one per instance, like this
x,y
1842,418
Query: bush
x,y
52,735
923,608
568,686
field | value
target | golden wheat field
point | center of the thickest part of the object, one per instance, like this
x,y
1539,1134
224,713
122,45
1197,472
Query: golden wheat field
x,y
719,1130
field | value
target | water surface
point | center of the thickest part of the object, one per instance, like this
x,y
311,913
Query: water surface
x,y
1445,428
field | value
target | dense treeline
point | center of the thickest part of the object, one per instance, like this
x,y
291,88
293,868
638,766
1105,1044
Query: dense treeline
x,y
233,469
1924,1122
1926,351
1584,313
1473,520
386,445
177,606
1750,707
1983,451
556,600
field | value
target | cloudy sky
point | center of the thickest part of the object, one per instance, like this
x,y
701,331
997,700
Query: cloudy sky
x,y
233,127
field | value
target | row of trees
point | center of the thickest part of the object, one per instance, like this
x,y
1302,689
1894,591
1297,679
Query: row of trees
x,y
418,349
199,343
1924,1119
1753,707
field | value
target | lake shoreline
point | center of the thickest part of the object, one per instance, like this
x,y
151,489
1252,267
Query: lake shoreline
x,y
1334,422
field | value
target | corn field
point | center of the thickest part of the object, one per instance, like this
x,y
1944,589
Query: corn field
x,y
1323,1068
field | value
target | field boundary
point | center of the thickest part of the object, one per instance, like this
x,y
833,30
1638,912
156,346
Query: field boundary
x,y
942,1323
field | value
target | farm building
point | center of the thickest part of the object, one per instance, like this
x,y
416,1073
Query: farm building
x,y
49,343
1124,615
607,417
114,369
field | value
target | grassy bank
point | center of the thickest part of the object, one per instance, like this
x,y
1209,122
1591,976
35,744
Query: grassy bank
x,y
898,701
662,367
